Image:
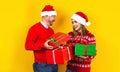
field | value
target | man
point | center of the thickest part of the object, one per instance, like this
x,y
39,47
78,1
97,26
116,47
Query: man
x,y
37,40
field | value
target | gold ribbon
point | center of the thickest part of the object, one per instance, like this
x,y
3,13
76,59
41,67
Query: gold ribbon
x,y
85,49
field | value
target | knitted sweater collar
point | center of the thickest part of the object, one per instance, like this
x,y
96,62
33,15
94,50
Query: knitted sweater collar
x,y
45,25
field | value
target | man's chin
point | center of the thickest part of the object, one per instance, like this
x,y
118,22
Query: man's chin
x,y
51,24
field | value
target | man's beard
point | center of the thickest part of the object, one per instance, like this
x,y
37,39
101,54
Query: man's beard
x,y
51,22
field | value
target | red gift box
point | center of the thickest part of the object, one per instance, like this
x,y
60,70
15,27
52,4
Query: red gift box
x,y
58,39
59,55
70,50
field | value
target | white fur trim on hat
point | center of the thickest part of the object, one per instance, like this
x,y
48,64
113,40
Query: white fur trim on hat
x,y
87,24
49,13
80,20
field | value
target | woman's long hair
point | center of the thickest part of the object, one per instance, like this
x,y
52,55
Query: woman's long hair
x,y
84,30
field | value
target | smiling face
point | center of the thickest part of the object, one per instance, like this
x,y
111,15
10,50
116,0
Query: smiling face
x,y
49,19
76,25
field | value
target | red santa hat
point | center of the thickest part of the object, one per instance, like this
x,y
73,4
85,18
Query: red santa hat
x,y
48,10
81,18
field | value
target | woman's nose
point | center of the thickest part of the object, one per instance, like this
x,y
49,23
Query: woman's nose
x,y
73,23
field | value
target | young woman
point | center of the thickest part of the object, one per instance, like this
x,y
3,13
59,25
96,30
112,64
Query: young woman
x,y
80,35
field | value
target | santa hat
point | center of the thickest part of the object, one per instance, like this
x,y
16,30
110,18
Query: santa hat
x,y
48,10
81,18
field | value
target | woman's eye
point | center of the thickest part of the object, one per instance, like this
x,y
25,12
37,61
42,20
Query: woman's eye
x,y
72,22
75,21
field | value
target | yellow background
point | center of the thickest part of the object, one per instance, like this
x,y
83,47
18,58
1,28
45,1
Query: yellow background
x,y
17,16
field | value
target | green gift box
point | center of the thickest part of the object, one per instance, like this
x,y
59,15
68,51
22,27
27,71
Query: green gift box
x,y
85,50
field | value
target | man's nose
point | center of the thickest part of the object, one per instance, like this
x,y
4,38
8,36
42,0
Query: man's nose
x,y
53,20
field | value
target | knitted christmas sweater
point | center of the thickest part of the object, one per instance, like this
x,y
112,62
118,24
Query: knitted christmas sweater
x,y
36,37
80,64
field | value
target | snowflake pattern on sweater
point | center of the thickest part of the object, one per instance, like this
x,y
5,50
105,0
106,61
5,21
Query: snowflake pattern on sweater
x,y
80,64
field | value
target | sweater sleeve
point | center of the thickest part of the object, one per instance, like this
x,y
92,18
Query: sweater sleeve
x,y
32,41
91,40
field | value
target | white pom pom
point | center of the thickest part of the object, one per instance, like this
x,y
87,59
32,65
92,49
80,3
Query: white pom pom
x,y
87,23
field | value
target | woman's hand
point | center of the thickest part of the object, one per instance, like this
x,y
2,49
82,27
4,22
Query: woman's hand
x,y
84,57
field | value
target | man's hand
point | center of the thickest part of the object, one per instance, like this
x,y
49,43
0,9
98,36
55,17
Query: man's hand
x,y
47,46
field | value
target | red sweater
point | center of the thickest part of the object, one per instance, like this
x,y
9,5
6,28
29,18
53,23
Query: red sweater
x,y
36,37
80,64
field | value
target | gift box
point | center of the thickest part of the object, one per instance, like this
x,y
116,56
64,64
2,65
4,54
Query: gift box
x,y
70,49
85,50
58,39
59,55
